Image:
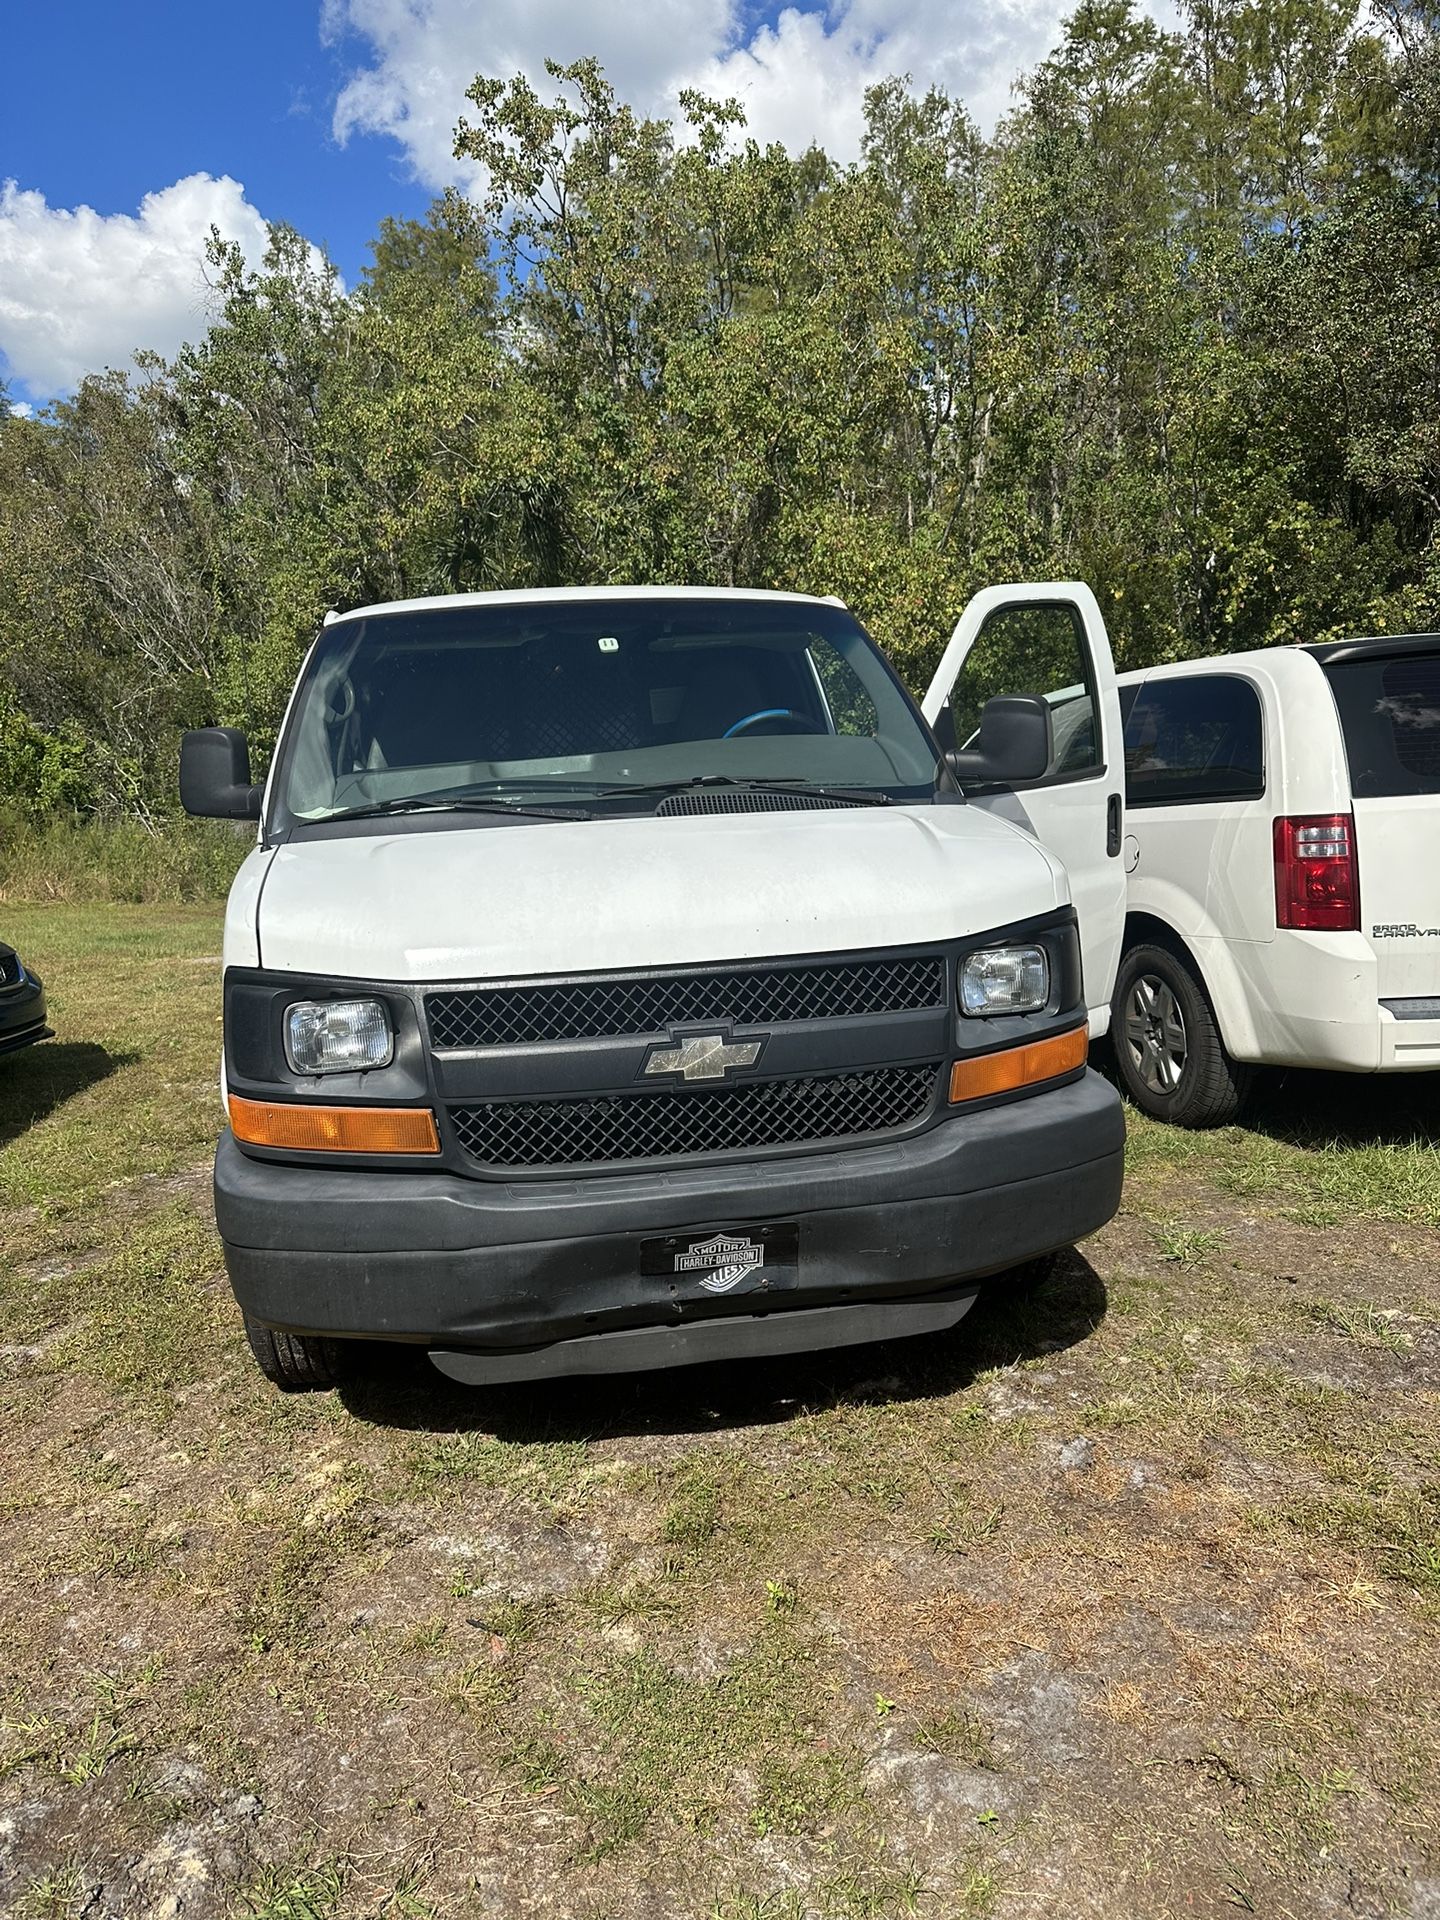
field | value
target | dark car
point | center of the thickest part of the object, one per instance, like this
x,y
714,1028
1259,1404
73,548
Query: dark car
x,y
22,1003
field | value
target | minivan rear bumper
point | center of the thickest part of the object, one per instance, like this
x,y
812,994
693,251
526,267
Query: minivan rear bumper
x,y
1316,1000
492,1267
1409,1042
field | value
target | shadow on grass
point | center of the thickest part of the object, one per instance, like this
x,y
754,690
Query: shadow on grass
x,y
38,1079
1307,1109
397,1387
1303,1107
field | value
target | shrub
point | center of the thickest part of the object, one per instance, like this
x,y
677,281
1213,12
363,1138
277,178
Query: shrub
x,y
66,857
41,771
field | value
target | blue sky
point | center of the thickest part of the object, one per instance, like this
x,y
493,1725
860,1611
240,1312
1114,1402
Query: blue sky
x,y
215,87
128,127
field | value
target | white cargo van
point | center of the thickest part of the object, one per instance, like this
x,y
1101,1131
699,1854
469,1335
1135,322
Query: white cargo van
x,y
1283,856
626,977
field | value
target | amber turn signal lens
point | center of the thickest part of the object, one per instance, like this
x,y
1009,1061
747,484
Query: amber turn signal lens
x,y
1019,1066
274,1123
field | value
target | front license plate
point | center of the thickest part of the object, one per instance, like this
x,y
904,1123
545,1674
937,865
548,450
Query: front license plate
x,y
732,1260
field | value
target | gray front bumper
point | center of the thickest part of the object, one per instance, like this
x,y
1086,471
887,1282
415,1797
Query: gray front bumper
x,y
486,1265
22,1015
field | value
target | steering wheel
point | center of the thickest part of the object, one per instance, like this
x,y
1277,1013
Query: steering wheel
x,y
793,722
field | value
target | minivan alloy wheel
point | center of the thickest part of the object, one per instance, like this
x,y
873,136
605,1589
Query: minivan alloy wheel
x,y
1155,1033
1167,1046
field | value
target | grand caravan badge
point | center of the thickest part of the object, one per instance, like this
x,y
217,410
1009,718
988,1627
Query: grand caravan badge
x,y
731,1260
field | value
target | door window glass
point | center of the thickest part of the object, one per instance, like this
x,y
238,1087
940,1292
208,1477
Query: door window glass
x,y
1036,649
1196,737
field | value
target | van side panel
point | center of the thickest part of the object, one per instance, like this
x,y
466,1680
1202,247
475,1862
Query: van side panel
x,y
1205,869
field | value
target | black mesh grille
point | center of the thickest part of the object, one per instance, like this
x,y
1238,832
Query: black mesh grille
x,y
9,967
760,996
749,800
652,1126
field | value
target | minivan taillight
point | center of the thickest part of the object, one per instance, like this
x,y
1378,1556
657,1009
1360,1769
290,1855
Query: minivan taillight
x,y
1316,883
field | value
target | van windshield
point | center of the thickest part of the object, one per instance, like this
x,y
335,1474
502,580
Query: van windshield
x,y
531,700
1390,716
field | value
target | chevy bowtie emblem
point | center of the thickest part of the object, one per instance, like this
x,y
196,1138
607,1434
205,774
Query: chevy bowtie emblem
x,y
704,1056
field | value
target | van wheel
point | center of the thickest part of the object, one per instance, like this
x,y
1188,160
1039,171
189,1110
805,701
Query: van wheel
x,y
295,1362
1167,1045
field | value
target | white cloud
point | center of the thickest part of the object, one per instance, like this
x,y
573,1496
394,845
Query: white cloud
x,y
428,51
805,77
81,291
801,78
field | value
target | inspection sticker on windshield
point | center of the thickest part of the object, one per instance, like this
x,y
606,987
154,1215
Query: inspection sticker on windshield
x,y
730,1260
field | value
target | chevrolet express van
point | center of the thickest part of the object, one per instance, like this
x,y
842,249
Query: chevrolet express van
x,y
1283,849
630,977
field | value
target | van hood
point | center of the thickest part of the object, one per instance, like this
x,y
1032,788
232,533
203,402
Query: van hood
x,y
479,902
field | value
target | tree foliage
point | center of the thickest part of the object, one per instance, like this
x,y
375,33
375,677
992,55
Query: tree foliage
x,y
1174,329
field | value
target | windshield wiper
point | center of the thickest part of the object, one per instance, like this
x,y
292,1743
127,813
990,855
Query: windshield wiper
x,y
419,803
857,796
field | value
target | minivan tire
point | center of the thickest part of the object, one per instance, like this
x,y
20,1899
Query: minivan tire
x,y
1168,1051
295,1362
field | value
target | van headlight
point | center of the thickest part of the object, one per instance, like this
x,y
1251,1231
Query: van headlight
x,y
338,1036
1005,980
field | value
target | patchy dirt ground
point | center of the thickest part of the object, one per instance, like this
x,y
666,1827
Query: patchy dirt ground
x,y
1122,1599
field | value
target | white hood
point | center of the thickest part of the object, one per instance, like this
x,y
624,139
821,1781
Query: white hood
x,y
588,896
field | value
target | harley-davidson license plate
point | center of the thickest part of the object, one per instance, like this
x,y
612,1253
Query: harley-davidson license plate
x,y
730,1260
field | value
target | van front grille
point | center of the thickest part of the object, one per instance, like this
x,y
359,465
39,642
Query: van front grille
x,y
644,1126
620,1006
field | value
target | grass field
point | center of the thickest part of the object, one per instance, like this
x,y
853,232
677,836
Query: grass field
x,y
1123,1599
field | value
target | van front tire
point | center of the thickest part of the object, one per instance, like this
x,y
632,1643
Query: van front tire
x,y
1168,1052
295,1362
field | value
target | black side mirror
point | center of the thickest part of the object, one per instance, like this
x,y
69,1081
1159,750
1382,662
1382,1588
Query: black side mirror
x,y
1014,743
215,775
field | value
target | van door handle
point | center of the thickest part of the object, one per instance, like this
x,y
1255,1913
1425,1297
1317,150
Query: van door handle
x,y
1112,826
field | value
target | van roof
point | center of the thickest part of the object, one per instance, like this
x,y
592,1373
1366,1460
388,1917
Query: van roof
x,y
1374,646
518,595
1325,652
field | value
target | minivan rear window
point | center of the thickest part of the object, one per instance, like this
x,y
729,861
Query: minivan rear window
x,y
1390,716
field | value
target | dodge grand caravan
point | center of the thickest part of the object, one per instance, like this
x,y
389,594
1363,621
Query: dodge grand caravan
x,y
1284,885
629,977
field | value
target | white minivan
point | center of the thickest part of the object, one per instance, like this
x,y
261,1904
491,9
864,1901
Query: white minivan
x,y
1283,870
627,977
